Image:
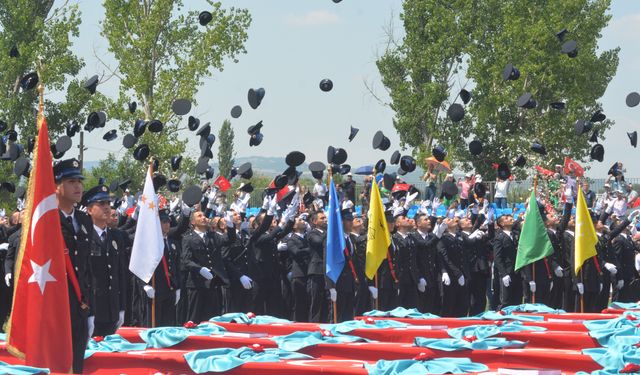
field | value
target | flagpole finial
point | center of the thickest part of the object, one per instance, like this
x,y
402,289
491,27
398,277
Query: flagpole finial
x,y
41,102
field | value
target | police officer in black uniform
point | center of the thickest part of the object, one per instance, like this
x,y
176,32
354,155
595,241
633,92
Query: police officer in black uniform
x,y
317,238
342,292
78,233
425,242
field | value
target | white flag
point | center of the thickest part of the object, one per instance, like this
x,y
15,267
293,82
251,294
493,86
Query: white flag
x,y
148,243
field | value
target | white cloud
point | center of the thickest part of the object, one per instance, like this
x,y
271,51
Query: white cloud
x,y
313,18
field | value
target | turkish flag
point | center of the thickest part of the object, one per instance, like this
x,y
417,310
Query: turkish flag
x,y
571,165
40,324
544,171
222,183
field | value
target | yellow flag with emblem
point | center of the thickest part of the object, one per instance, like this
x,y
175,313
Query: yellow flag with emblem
x,y
378,240
586,237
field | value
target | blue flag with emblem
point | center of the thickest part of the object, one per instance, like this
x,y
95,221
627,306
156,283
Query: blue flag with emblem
x,y
335,237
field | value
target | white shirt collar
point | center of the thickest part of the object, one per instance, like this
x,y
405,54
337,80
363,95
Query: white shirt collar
x,y
99,230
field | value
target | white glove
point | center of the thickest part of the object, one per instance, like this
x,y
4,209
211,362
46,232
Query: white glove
x,y
476,234
439,231
177,296
532,286
206,273
7,279
580,287
282,246
120,319
228,218
633,215
246,282
186,211
90,326
638,262
290,276
265,202
461,280
423,207
422,285
611,268
149,290
333,294
374,292
620,284
4,246
174,204
445,279
506,281
435,205
558,271
410,198
273,205
491,214
551,286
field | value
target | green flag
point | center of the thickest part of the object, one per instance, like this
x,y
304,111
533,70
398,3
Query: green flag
x,y
534,242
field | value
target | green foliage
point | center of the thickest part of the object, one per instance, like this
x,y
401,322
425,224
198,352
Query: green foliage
x,y
225,149
449,43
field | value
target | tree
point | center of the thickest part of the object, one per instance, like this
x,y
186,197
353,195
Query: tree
x,y
225,149
164,55
461,41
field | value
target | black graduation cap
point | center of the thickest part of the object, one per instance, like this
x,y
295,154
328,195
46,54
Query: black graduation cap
x,y
295,158
155,164
561,34
132,107
12,151
236,111
395,158
139,127
141,152
503,171
175,162
475,147
3,126
206,153
408,163
352,133
380,166
207,142
72,128
247,188
202,165
307,199
570,48
538,148
233,172
582,127
594,136
245,171
205,17
527,101
388,180
63,144
181,106
14,51
193,123
155,126
465,96
113,186
29,81
191,195
91,84
597,152
380,141
123,185
449,189
317,169
21,167
439,153
255,129
326,85
8,186
337,1
110,135
557,105
510,73
173,185
598,116
255,97
208,174
280,181
633,99
401,172
340,156
633,137
455,112
344,169
129,141
31,143
12,135
254,132
205,130
521,161
256,139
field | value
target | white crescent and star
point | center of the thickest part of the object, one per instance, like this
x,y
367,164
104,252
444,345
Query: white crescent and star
x,y
47,204
41,274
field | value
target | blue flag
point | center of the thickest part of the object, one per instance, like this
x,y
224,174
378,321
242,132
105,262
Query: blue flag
x,y
335,237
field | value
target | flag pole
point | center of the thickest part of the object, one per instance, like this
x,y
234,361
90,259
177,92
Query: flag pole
x,y
153,277
533,265
334,304
574,245
375,277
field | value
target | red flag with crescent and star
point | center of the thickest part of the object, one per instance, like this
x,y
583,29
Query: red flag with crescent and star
x,y
39,328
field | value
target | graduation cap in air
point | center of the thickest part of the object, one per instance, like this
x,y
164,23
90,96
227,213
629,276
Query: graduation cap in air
x,y
155,126
527,101
208,174
326,85
408,163
29,81
202,165
91,84
538,148
205,17
8,186
388,180
510,73
380,141
503,171
12,135
455,112
317,169
255,97
352,133
439,153
233,172
465,96
292,175
633,99
256,135
279,182
247,188
132,107
12,152
129,141
308,199
570,48
633,138
475,147
141,152
21,167
110,135
395,158
598,116
181,107
31,143
173,185
20,192
561,34
380,166
295,158
236,111
339,156
139,127
594,136
63,144
206,153
559,106
72,128
582,127
521,161
345,169
124,184
245,171
191,195
14,51
204,131
597,152
113,186
193,123
206,142
449,189
3,126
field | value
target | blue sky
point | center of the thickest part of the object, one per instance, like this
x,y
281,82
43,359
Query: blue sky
x,y
293,44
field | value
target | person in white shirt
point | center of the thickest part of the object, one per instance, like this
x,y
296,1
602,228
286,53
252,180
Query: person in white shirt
x,y
502,191
320,191
632,195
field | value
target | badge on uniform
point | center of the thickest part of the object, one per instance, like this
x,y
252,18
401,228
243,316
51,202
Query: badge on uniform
x,y
84,230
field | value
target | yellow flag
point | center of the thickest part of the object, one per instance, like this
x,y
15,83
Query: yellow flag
x,y
586,237
378,236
